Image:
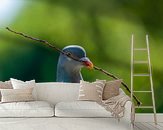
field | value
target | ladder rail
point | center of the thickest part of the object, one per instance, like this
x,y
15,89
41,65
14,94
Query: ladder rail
x,y
132,61
151,80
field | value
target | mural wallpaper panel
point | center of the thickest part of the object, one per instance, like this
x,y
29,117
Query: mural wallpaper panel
x,y
97,32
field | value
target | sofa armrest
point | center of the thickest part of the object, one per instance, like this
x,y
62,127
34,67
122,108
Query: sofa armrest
x,y
128,111
127,118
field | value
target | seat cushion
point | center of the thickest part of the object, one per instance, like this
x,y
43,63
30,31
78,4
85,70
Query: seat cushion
x,y
80,109
26,109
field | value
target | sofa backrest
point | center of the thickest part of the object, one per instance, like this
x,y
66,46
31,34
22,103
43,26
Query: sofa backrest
x,y
55,92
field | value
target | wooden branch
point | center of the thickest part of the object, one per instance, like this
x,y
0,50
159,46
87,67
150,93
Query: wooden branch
x,y
123,83
70,55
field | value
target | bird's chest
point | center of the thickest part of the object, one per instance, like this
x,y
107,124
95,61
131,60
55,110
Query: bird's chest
x,y
71,76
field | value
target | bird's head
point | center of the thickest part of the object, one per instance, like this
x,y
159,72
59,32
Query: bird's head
x,y
79,52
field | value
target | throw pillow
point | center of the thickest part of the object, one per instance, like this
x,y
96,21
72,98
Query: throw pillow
x,y
18,84
111,89
5,85
91,91
16,95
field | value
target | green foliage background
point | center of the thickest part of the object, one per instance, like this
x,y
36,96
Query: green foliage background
x,y
102,27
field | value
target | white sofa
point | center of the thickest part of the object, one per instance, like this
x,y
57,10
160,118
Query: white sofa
x,y
57,108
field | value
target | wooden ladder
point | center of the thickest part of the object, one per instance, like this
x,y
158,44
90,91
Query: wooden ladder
x,y
148,62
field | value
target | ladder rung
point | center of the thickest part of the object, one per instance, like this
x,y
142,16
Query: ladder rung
x,y
143,106
142,91
140,49
141,74
140,62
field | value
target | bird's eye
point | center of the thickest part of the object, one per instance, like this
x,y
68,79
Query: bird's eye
x,y
68,53
74,57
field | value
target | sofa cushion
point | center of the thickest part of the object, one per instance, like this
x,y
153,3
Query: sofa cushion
x,y
26,109
80,109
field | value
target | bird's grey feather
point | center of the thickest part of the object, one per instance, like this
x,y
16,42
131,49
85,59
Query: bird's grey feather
x,y
69,70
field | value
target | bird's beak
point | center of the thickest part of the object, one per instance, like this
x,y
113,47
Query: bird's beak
x,y
86,62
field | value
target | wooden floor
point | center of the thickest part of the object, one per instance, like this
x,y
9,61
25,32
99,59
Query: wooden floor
x,y
148,126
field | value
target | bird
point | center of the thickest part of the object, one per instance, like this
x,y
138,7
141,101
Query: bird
x,y
68,69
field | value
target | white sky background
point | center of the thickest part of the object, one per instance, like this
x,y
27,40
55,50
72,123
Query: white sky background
x,y
9,9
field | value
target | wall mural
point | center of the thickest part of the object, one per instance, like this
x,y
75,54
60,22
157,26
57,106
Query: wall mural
x,y
103,31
